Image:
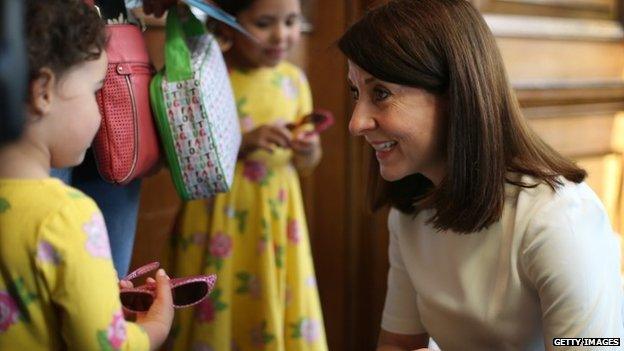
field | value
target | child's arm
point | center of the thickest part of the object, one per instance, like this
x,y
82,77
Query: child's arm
x,y
157,321
305,143
74,260
265,137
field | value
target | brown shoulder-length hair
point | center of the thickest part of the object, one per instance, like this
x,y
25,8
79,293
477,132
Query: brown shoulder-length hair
x,y
446,48
61,34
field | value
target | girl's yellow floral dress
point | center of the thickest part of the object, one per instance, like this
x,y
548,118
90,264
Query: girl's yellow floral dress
x,y
58,287
254,238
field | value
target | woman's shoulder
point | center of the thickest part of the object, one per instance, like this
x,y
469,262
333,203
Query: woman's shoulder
x,y
565,197
569,211
400,223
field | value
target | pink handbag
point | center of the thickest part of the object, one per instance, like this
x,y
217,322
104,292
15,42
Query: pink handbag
x,y
126,147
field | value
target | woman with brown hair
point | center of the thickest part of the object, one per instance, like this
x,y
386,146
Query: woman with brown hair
x,y
496,242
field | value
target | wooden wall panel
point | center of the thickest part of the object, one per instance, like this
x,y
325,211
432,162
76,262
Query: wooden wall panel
x,y
578,136
543,61
567,73
589,139
552,8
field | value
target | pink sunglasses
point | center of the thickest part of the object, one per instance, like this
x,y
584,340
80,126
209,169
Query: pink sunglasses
x,y
186,291
320,119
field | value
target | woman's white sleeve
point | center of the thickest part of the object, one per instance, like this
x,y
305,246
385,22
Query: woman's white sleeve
x,y
572,257
400,314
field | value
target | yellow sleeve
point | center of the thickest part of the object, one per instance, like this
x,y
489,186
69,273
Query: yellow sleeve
x,y
73,257
305,95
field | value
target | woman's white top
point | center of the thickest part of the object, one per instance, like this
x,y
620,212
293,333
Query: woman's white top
x,y
550,268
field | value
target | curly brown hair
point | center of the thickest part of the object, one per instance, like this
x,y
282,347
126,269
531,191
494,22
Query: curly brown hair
x,y
61,34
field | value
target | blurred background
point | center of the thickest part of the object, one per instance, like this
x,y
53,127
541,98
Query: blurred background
x,y
565,59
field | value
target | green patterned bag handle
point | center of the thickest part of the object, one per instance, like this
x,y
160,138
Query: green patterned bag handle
x,y
177,54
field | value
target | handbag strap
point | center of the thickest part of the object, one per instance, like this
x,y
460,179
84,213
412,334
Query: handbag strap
x,y
177,54
218,14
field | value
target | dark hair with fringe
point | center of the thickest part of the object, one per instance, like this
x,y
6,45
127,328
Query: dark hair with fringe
x,y
61,34
446,48
234,7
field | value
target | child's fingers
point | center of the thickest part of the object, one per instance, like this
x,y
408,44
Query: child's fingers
x,y
302,147
266,146
163,288
157,7
161,310
279,137
282,131
310,137
125,284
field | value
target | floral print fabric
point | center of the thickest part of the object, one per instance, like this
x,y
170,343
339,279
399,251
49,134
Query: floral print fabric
x,y
254,238
58,289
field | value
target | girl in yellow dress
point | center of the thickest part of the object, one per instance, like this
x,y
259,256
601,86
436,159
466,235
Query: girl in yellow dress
x,y
255,237
58,286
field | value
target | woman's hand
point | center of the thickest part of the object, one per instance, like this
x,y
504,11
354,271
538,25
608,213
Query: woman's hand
x,y
265,137
389,341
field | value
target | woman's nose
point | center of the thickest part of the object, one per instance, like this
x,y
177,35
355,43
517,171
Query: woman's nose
x,y
361,122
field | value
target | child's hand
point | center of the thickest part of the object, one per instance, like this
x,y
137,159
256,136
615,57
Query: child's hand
x,y
265,137
157,320
305,143
157,7
125,284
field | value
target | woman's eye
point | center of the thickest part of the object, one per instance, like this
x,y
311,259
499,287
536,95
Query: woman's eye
x,y
380,94
354,93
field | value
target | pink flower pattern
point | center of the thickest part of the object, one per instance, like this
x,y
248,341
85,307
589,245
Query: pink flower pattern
x,y
289,88
206,311
293,231
47,254
97,237
262,245
254,171
311,281
282,195
255,288
199,238
9,313
117,330
257,337
247,124
220,245
310,329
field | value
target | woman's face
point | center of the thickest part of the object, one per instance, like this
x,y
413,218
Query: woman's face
x,y
406,126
